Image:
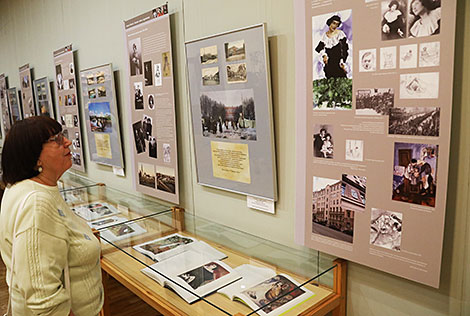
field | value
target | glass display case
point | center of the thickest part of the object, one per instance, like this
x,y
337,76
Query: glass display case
x,y
182,264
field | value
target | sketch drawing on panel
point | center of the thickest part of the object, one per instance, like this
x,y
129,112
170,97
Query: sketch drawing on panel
x,y
408,56
367,60
354,150
166,153
414,121
376,101
332,60
419,85
415,173
394,15
385,229
228,114
429,54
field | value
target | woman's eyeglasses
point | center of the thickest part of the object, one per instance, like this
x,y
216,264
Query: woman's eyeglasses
x,y
59,139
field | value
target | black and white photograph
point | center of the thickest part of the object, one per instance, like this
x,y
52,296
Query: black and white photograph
x,y
147,126
76,159
166,58
228,114
332,60
329,218
166,153
353,195
429,54
424,18
138,96
388,57
62,120
76,141
323,141
236,73
367,60
148,76
414,121
158,74
151,102
203,275
273,293
101,91
166,179
419,85
75,120
135,56
415,173
71,69
409,56
146,175
100,78
235,50
354,150
208,55
394,16
71,83
210,76
385,229
138,137
152,147
376,101
59,77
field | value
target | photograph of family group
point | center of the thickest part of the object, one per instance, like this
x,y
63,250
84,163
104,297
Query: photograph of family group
x,y
323,141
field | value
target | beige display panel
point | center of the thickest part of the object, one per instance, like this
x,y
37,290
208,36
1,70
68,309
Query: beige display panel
x,y
27,98
6,122
152,105
67,103
374,99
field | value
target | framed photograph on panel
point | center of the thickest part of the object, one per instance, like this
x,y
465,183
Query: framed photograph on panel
x,y
67,103
26,95
152,104
13,105
6,121
43,97
101,115
232,121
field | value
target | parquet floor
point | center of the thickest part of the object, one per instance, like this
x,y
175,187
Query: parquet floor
x,y
125,303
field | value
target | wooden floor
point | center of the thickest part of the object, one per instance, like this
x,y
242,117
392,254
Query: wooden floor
x,y
127,304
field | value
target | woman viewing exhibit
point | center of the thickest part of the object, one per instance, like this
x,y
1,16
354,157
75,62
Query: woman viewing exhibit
x,y
335,46
51,255
426,17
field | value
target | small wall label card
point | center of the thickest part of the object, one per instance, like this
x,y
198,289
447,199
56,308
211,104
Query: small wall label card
x,y
374,103
230,93
152,104
27,98
101,115
67,103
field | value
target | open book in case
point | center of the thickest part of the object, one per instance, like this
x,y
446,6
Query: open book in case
x,y
181,264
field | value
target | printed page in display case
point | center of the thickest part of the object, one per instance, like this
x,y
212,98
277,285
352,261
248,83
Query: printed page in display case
x,y
43,97
101,115
232,120
374,101
152,104
67,103
6,120
27,98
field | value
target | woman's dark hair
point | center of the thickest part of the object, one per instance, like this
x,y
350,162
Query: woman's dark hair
x,y
23,146
394,2
428,4
333,18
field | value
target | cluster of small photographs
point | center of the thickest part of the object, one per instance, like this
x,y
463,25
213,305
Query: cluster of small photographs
x,y
236,72
65,84
159,11
385,229
203,275
159,177
332,36
410,18
279,290
69,120
136,65
228,114
334,205
96,79
99,114
409,56
43,101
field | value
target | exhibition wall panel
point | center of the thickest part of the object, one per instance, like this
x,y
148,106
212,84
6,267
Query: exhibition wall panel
x,y
27,98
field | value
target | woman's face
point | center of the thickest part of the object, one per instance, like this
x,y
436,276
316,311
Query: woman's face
x,y
417,7
56,158
393,7
334,25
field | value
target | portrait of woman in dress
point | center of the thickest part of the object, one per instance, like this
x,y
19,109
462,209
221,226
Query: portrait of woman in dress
x,y
424,18
393,26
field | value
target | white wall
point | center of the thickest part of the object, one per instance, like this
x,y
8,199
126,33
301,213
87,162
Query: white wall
x,y
31,29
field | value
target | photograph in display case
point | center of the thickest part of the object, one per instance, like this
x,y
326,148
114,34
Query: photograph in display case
x,y
95,210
